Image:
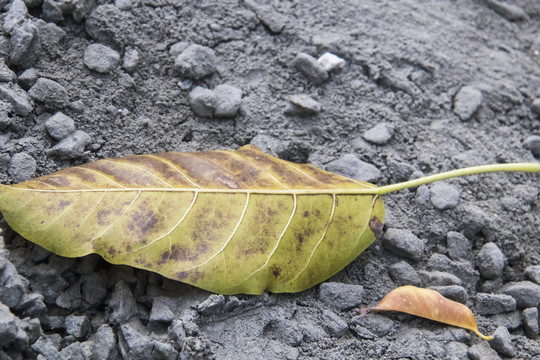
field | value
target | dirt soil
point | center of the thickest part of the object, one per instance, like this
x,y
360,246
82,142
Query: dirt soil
x,y
454,84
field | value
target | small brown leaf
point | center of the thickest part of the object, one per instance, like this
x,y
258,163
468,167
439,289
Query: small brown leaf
x,y
428,304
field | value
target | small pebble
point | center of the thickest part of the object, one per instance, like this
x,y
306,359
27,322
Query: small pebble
x,y
400,171
459,247
491,286
502,342
493,304
17,97
444,196
105,24
467,101
28,78
16,15
103,342
380,134
482,351
371,326
453,292
473,220
196,62
456,350
530,322
25,45
311,68
490,261
508,10
49,92
22,167
341,296
123,4
331,62
77,325
177,48
533,273
350,166
72,146
212,305
532,143
272,20
46,347
161,312
59,126
202,101
404,243
526,293
268,144
6,74
8,325
402,273
32,305
303,105
439,278
535,107
93,289
131,59
334,324
510,320
73,351
122,304
101,58
462,269
228,100
51,11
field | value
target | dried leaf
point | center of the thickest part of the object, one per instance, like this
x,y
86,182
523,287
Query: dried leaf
x,y
428,304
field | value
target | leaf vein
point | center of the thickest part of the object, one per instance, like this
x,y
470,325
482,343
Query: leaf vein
x,y
262,168
63,212
142,169
176,168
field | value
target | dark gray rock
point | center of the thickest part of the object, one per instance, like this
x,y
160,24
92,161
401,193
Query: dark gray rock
x,y
535,106
510,11
17,13
341,296
371,326
177,333
462,269
526,293
533,144
459,247
25,45
28,78
161,312
124,4
400,171
202,101
444,196
404,274
490,261
493,304
467,101
6,74
456,350
131,59
82,8
103,342
196,62
101,58
71,298
213,304
72,146
32,327
12,286
77,325
48,282
59,126
272,20
473,220
533,273
49,92
9,325
17,97
303,105
350,166
334,324
482,351
510,320
380,134
135,342
530,322
52,11
105,25
228,100
404,243
45,347
94,289
39,254
74,351
268,144
438,278
22,167
502,342
453,292
164,350
122,304
311,68
32,305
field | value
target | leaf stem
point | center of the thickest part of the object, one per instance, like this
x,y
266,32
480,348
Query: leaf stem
x,y
526,167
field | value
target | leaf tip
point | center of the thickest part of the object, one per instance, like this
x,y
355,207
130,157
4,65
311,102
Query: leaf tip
x,y
364,311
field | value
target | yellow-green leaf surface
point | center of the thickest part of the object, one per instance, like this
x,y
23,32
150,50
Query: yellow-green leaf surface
x,y
226,221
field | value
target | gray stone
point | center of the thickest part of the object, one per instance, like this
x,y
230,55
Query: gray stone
x,y
350,166
228,100
82,9
17,97
177,333
453,292
511,12
135,342
73,351
272,20
456,350
490,261
122,304
9,325
493,304
213,304
77,325
404,243
22,167
105,25
371,326
380,134
474,220
331,62
59,126
334,324
161,312
311,68
39,254
72,146
177,48
196,62
510,320
12,285
467,101
462,269
303,105
532,143
25,45
32,327
459,247
400,171
94,289
131,59
101,58
439,278
16,15
535,107
48,282
164,350
404,274
530,322
341,296
482,351
52,11
533,273
502,342
268,144
45,347
6,74
28,78
32,305
526,293
71,298
103,342
444,196
123,4
202,101
49,92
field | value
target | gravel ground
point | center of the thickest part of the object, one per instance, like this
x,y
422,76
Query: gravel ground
x,y
416,88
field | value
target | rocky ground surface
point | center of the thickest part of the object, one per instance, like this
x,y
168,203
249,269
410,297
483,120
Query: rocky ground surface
x,y
416,88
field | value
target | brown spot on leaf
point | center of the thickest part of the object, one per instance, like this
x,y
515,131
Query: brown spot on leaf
x,y
306,213
164,257
111,251
376,226
276,271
